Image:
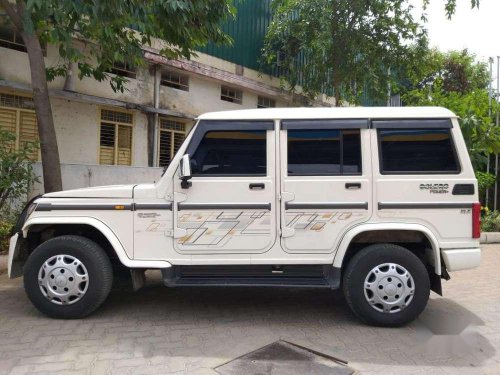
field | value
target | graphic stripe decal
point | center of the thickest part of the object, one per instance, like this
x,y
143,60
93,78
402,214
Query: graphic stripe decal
x,y
388,206
153,206
223,206
113,207
320,206
71,206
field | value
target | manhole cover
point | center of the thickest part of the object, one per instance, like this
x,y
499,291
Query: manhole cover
x,y
282,357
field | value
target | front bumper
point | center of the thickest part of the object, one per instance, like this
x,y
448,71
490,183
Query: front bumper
x,y
14,268
461,259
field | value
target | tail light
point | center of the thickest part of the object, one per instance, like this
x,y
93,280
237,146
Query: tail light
x,y
476,220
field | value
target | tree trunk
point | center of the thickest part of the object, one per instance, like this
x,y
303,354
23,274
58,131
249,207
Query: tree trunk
x,y
46,131
337,83
337,96
48,141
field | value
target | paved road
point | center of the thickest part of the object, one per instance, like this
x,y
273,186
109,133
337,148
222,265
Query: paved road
x,y
160,330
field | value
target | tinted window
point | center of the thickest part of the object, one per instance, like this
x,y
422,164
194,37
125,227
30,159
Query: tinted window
x,y
324,152
231,153
417,151
351,147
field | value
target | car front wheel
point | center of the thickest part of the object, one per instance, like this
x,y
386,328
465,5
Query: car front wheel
x,y
386,285
68,277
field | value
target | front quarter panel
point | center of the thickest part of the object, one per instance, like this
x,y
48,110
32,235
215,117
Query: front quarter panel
x,y
116,242
113,213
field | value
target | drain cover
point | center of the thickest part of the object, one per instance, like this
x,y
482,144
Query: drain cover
x,y
282,357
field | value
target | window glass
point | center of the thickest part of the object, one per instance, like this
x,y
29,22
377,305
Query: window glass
x,y
115,138
231,95
263,102
9,38
417,151
351,147
231,153
175,80
171,137
124,69
324,152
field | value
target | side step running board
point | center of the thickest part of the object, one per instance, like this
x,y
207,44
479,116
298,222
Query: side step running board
x,y
312,276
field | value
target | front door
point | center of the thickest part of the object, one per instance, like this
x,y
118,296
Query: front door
x,y
325,182
230,205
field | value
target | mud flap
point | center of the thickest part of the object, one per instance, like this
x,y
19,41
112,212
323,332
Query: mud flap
x,y
435,282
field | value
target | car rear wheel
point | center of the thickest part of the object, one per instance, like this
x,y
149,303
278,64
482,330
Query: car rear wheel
x,y
386,285
68,277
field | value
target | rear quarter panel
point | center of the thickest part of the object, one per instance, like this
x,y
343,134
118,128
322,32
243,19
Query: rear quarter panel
x,y
452,226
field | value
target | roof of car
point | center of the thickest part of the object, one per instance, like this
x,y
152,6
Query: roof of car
x,y
329,113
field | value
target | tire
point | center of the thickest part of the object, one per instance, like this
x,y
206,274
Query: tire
x,y
386,296
77,268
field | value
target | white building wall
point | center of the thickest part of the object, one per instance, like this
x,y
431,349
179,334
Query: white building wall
x,y
203,96
78,175
77,129
77,121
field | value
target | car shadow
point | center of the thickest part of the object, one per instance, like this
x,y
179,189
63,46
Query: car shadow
x,y
226,322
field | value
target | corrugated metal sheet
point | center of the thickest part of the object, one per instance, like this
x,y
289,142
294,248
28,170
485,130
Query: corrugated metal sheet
x,y
248,30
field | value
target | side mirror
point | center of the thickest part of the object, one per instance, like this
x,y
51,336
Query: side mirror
x,y
185,171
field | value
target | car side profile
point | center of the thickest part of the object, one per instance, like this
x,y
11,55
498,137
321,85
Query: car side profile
x,y
380,202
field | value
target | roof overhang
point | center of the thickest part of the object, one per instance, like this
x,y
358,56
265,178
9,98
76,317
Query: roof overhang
x,y
207,71
93,99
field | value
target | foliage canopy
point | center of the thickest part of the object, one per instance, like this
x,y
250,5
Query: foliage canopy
x,y
116,31
94,35
339,45
457,81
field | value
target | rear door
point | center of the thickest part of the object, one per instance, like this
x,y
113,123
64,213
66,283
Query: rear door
x,y
230,205
325,182
419,177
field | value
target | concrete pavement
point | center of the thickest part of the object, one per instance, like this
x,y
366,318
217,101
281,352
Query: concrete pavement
x,y
192,331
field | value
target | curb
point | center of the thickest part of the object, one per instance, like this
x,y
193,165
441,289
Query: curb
x,y
490,237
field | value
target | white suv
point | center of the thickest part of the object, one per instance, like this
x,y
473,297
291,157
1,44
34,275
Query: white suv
x,y
381,202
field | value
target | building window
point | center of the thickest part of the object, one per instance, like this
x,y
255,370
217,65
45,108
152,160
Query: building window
x,y
231,153
115,138
124,69
264,102
324,152
417,151
175,80
172,134
18,117
231,95
9,38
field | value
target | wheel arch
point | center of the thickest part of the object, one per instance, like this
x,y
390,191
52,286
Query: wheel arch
x,y
100,227
349,236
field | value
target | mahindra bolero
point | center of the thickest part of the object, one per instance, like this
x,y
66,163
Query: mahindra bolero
x,y
379,202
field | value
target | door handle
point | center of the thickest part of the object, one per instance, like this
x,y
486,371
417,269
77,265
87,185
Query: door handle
x,y
353,185
257,186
